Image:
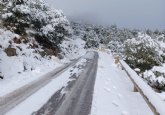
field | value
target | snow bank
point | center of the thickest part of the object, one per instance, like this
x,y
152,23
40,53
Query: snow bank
x,y
26,66
113,91
153,98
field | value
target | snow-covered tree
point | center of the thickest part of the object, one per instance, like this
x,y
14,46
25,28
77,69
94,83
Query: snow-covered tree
x,y
91,39
116,47
155,77
89,33
50,25
142,52
14,18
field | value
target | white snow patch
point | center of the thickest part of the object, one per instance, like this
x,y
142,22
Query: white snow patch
x,y
73,48
116,97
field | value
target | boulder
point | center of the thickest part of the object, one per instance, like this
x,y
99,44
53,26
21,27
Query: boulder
x,y
49,51
17,40
10,52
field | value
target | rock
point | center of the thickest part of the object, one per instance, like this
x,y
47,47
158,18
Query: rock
x,y
42,53
17,40
10,51
33,46
60,56
10,42
49,51
24,39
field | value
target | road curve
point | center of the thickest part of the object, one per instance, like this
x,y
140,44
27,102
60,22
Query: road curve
x,y
78,100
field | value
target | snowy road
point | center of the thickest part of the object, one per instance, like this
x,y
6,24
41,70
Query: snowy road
x,y
94,86
12,99
77,100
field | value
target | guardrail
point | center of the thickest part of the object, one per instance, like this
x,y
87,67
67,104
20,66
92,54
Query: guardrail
x,y
152,99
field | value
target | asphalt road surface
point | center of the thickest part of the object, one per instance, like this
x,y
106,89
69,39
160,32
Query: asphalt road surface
x,y
76,98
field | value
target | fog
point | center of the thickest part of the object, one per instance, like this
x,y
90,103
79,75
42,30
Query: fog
x,y
141,14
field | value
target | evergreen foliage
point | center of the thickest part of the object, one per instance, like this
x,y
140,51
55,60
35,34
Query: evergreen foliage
x,y
142,52
48,24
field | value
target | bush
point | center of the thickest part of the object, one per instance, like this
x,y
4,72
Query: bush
x,y
48,23
142,52
155,78
91,39
116,47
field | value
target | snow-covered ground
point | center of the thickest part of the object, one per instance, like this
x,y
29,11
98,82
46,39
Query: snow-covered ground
x,y
38,99
26,66
113,94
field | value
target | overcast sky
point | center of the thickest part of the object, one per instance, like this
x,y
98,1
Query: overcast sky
x,y
140,14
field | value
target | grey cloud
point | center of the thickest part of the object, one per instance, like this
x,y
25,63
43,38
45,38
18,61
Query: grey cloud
x,y
125,13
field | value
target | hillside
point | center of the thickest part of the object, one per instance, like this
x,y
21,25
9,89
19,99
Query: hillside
x,y
27,50
77,68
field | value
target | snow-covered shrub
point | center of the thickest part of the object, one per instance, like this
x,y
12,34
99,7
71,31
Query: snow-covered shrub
x,y
161,40
27,59
91,39
155,77
142,52
51,25
73,48
13,17
2,5
116,47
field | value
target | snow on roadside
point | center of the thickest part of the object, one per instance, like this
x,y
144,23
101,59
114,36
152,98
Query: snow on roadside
x,y
33,103
113,93
162,95
27,65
